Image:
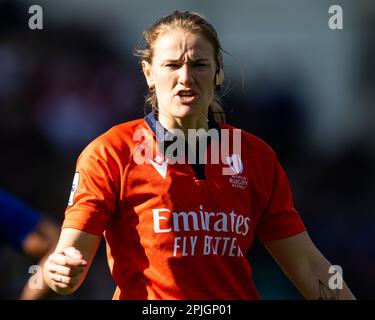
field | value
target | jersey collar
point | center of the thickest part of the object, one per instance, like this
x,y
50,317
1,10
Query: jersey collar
x,y
164,138
162,135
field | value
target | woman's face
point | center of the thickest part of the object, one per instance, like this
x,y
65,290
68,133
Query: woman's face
x,y
182,72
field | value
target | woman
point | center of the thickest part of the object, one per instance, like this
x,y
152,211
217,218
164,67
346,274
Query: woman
x,y
180,229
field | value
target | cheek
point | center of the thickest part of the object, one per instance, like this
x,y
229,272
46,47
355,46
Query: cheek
x,y
208,86
165,83
209,80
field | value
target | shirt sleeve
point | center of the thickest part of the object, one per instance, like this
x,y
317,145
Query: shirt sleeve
x,y
279,219
93,197
17,220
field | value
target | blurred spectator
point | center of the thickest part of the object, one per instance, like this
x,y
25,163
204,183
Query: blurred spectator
x,y
36,236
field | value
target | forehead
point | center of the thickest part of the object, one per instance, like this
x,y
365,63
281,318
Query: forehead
x,y
176,44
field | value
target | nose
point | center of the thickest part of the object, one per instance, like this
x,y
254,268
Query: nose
x,y
185,75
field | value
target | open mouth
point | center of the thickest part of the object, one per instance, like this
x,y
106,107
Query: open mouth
x,y
186,96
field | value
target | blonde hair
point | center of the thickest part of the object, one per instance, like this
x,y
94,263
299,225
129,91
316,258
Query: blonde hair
x,y
195,23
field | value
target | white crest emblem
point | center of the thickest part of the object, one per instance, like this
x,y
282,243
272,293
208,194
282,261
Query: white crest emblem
x,y
235,163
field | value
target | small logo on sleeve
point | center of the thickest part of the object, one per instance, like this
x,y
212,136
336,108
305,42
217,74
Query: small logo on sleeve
x,y
235,163
74,188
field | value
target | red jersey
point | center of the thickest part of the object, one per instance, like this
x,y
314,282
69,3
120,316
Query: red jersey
x,y
176,230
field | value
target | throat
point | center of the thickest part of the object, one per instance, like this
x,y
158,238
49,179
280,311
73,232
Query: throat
x,y
183,125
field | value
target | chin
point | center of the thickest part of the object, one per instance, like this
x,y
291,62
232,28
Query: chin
x,y
187,111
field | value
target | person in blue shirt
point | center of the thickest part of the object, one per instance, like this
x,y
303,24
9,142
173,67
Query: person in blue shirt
x,y
27,230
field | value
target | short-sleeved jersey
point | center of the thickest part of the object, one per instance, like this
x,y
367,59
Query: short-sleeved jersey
x,y
17,220
176,230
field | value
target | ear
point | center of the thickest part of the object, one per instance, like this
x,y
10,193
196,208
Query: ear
x,y
146,67
219,77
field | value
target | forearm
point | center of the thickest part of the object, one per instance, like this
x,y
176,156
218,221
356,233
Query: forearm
x,y
308,269
315,281
39,244
36,288
67,267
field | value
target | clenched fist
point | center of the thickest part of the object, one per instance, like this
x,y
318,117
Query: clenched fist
x,y
65,268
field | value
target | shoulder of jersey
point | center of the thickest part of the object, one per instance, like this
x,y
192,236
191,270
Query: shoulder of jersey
x,y
119,138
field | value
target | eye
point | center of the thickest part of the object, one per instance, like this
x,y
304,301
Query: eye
x,y
172,65
200,64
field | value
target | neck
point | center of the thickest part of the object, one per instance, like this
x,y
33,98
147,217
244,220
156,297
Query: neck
x,y
184,124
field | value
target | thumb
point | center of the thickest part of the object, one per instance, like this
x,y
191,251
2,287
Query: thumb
x,y
74,253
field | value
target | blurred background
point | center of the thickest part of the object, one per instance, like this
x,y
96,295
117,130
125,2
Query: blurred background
x,y
305,89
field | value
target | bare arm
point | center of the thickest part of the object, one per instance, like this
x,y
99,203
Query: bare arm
x,y
306,267
67,267
39,244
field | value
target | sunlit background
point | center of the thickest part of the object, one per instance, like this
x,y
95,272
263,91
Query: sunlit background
x,y
305,89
